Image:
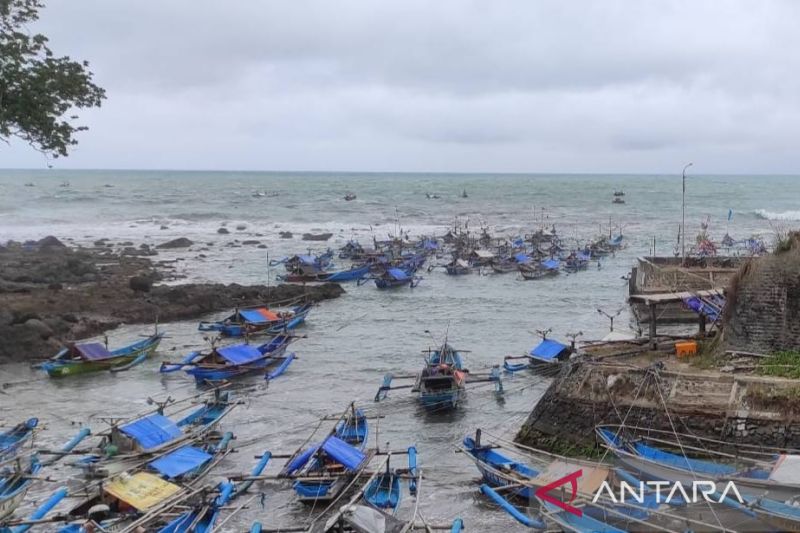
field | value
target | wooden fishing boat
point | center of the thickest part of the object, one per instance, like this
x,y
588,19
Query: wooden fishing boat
x,y
393,277
12,440
383,491
94,357
340,453
17,475
128,441
258,320
660,455
577,261
544,269
544,358
510,264
457,267
233,361
508,481
352,274
442,381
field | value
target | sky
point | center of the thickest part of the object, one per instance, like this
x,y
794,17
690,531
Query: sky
x,y
443,86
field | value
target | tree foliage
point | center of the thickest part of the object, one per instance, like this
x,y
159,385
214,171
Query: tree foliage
x,y
38,90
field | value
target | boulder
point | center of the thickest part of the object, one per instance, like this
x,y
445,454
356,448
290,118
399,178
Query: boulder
x,y
140,284
286,235
317,236
223,231
50,242
180,242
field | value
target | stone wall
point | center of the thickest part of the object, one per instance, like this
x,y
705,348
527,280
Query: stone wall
x,y
763,311
706,405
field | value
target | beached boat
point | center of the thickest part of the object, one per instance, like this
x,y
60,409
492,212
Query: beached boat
x,y
233,361
509,482
17,475
442,381
258,320
544,357
661,456
94,357
12,440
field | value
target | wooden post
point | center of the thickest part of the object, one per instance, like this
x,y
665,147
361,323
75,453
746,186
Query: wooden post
x,y
702,324
653,341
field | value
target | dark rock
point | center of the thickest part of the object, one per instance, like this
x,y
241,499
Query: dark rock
x,y
100,242
140,284
286,235
223,231
55,286
251,242
261,246
164,227
317,236
50,242
241,227
180,242
39,327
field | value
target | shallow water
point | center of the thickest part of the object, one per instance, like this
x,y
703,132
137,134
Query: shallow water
x,y
354,340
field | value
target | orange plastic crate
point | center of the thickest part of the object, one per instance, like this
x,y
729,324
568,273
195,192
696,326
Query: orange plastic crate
x,y
686,348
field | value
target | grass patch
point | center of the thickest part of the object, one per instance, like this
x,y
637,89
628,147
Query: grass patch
x,y
782,400
781,364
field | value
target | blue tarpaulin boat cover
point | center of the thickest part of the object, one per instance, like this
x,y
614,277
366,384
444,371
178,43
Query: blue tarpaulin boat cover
x,y
93,351
307,259
397,274
548,349
253,316
152,430
239,354
180,461
583,256
551,264
350,457
521,258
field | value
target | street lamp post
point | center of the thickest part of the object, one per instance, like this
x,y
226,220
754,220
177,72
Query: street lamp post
x,y
683,218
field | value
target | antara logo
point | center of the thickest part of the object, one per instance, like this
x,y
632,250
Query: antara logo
x,y
699,491
675,492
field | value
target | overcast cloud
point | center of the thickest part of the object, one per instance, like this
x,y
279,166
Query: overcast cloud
x,y
528,86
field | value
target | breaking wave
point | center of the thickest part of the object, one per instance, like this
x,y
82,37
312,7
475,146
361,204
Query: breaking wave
x,y
773,215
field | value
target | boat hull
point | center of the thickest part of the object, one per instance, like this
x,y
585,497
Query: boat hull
x,y
60,369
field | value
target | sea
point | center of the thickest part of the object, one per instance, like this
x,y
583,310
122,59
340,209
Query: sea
x,y
352,341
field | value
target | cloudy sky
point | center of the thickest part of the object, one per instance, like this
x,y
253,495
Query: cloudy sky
x,y
408,85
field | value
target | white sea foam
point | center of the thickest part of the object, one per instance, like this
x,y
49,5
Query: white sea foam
x,y
774,215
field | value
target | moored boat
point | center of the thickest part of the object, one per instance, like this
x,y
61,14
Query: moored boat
x,y
94,357
442,381
258,320
233,361
12,440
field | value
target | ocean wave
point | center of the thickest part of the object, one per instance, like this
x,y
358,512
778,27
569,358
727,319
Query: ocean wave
x,y
774,215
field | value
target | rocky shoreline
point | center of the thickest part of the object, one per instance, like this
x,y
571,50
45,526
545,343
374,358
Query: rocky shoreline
x,y
51,294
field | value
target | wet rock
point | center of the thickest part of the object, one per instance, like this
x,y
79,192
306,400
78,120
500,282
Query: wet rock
x,y
50,242
180,242
251,242
317,236
223,231
286,234
164,227
241,227
261,246
40,328
100,242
